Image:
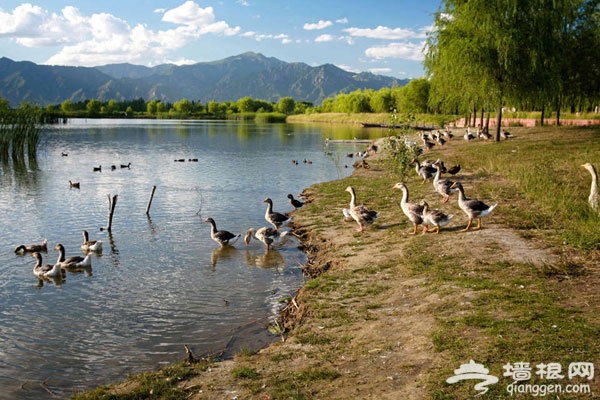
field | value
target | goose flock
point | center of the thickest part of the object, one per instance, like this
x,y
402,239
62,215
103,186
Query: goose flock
x,y
267,235
56,272
420,213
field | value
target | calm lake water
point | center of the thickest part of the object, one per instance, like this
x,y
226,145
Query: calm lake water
x,y
160,282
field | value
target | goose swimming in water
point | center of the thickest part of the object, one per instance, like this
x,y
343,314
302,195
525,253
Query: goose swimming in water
x,y
32,247
223,238
44,271
90,245
267,235
75,185
72,262
274,218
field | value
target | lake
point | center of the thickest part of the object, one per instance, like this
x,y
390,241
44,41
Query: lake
x,y
160,281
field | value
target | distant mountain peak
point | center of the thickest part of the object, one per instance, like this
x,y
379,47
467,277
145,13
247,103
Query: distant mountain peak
x,y
229,79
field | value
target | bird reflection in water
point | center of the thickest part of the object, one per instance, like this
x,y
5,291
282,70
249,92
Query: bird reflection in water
x,y
80,270
220,254
55,280
269,259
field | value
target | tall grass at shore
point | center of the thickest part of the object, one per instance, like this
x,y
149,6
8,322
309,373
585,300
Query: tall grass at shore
x,y
20,132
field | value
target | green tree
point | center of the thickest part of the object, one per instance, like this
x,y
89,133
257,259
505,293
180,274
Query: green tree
x,y
245,104
415,96
67,106
151,107
93,106
183,106
286,105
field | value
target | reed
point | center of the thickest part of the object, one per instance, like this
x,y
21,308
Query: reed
x,y
20,132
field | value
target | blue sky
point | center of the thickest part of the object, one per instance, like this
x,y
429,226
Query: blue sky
x,y
383,37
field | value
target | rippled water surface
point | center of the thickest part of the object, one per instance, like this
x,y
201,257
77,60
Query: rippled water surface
x,y
160,282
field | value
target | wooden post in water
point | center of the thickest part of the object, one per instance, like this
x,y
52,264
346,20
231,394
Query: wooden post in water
x,y
150,201
111,210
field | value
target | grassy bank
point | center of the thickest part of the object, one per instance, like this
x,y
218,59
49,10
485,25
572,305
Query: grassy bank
x,y
391,315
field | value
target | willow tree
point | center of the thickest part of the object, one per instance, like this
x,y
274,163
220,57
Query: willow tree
x,y
492,51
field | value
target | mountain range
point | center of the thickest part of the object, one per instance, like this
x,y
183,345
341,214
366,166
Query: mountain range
x,y
248,74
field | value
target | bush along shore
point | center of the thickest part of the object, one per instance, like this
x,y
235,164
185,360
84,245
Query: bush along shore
x,y
510,310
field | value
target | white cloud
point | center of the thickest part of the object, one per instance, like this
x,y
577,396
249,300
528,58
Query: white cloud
x,y
348,68
324,38
285,39
342,20
406,51
380,70
104,38
317,26
189,13
383,32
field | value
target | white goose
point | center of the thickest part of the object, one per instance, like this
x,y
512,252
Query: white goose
x,y
223,238
593,198
90,245
472,207
266,235
274,218
74,261
361,214
413,211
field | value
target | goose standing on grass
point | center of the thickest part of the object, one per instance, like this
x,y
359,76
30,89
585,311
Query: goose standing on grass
x,y
413,211
295,202
274,218
454,170
45,271
72,262
593,198
472,207
442,186
90,245
361,214
434,217
425,171
223,238
32,248
266,235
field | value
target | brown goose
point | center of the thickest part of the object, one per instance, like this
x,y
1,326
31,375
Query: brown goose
x,y
413,211
72,262
295,202
442,186
361,214
472,207
435,218
32,247
425,171
90,245
75,185
223,238
274,218
44,271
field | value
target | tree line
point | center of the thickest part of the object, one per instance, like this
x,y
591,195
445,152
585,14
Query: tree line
x,y
534,54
